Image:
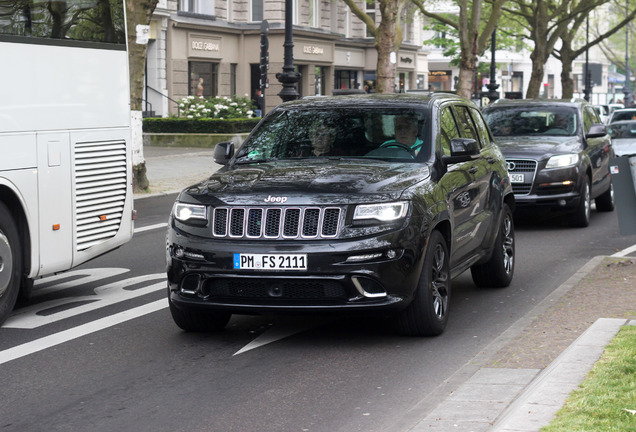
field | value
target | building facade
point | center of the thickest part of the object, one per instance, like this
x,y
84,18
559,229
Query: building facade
x,y
212,48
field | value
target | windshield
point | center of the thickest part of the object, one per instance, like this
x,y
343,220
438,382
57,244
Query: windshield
x,y
623,129
378,133
523,121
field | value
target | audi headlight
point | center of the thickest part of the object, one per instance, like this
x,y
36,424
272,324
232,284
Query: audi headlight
x,y
386,212
562,161
185,212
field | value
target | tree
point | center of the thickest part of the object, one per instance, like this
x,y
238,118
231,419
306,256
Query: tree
x,y
388,38
474,32
138,12
567,54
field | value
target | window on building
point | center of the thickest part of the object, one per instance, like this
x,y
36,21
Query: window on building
x,y
370,11
314,13
345,79
233,67
203,78
517,81
203,7
257,10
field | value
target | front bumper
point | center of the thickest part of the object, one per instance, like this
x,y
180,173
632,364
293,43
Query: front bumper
x,y
553,189
379,273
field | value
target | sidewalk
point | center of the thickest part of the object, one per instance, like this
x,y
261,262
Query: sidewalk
x,y
519,382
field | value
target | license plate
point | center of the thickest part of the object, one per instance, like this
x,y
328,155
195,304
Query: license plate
x,y
517,178
270,261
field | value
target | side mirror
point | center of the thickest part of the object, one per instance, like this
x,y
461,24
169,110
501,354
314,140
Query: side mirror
x,y
596,130
462,150
223,152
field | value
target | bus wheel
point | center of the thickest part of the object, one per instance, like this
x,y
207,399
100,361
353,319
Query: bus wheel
x,y
10,263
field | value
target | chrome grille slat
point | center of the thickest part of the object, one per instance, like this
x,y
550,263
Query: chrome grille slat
x,y
276,222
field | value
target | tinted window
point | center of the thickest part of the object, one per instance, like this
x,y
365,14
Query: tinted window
x,y
532,120
379,133
448,130
465,123
76,20
484,136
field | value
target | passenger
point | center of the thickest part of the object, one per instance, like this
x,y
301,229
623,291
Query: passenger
x,y
322,137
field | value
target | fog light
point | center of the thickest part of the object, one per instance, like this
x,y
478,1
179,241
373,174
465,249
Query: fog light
x,y
390,254
178,252
366,257
562,203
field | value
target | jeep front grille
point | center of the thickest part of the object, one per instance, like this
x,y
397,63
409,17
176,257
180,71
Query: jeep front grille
x,y
526,166
276,222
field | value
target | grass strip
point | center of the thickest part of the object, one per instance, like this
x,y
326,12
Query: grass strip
x,y
606,400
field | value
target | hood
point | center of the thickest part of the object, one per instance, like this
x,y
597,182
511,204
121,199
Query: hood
x,y
537,147
624,146
302,182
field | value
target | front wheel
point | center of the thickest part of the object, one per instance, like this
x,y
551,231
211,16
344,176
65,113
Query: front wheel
x,y
10,263
581,216
198,320
427,314
497,272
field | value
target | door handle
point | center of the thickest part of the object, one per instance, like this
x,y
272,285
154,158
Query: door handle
x,y
473,170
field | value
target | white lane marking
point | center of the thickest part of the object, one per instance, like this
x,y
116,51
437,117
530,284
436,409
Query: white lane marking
x,y
150,227
75,278
106,295
79,331
624,252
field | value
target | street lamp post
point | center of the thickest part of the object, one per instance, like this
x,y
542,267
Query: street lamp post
x,y
627,88
588,81
492,85
289,77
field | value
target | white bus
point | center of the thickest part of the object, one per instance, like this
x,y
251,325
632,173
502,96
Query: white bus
x,y
65,142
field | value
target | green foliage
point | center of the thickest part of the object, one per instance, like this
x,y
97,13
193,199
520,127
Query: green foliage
x,y
200,125
198,107
445,38
607,397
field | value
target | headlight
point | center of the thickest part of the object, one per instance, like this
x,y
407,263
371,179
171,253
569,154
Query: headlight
x,y
561,161
185,212
386,212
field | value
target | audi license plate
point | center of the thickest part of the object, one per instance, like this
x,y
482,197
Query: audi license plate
x,y
517,178
270,261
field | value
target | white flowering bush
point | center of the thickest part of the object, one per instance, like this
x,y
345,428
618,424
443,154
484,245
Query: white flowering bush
x,y
195,107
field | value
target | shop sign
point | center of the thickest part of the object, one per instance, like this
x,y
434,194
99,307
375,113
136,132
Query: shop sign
x,y
202,46
313,49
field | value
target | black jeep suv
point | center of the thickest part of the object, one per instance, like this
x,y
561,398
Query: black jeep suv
x,y
558,154
365,203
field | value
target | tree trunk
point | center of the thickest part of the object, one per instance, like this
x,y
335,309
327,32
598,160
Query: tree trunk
x,y
385,45
137,12
567,83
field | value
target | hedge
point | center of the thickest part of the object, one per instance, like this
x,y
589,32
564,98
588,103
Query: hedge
x,y
205,125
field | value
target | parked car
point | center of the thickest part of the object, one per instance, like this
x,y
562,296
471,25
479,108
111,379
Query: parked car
x,y
605,110
365,203
622,114
557,153
623,135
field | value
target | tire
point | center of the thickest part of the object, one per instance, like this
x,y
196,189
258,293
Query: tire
x,y
427,314
581,216
605,202
198,320
497,272
10,263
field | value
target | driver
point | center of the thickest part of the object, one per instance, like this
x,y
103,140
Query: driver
x,y
405,132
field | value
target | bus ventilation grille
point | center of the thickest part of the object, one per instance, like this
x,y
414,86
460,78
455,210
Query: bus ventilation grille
x,y
100,185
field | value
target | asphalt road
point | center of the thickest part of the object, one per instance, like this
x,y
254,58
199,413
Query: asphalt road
x,y
96,348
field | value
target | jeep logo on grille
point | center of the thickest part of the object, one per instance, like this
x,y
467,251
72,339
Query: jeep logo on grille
x,y
278,200
511,165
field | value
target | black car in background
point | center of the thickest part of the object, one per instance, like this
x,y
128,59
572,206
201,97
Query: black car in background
x,y
558,154
345,204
